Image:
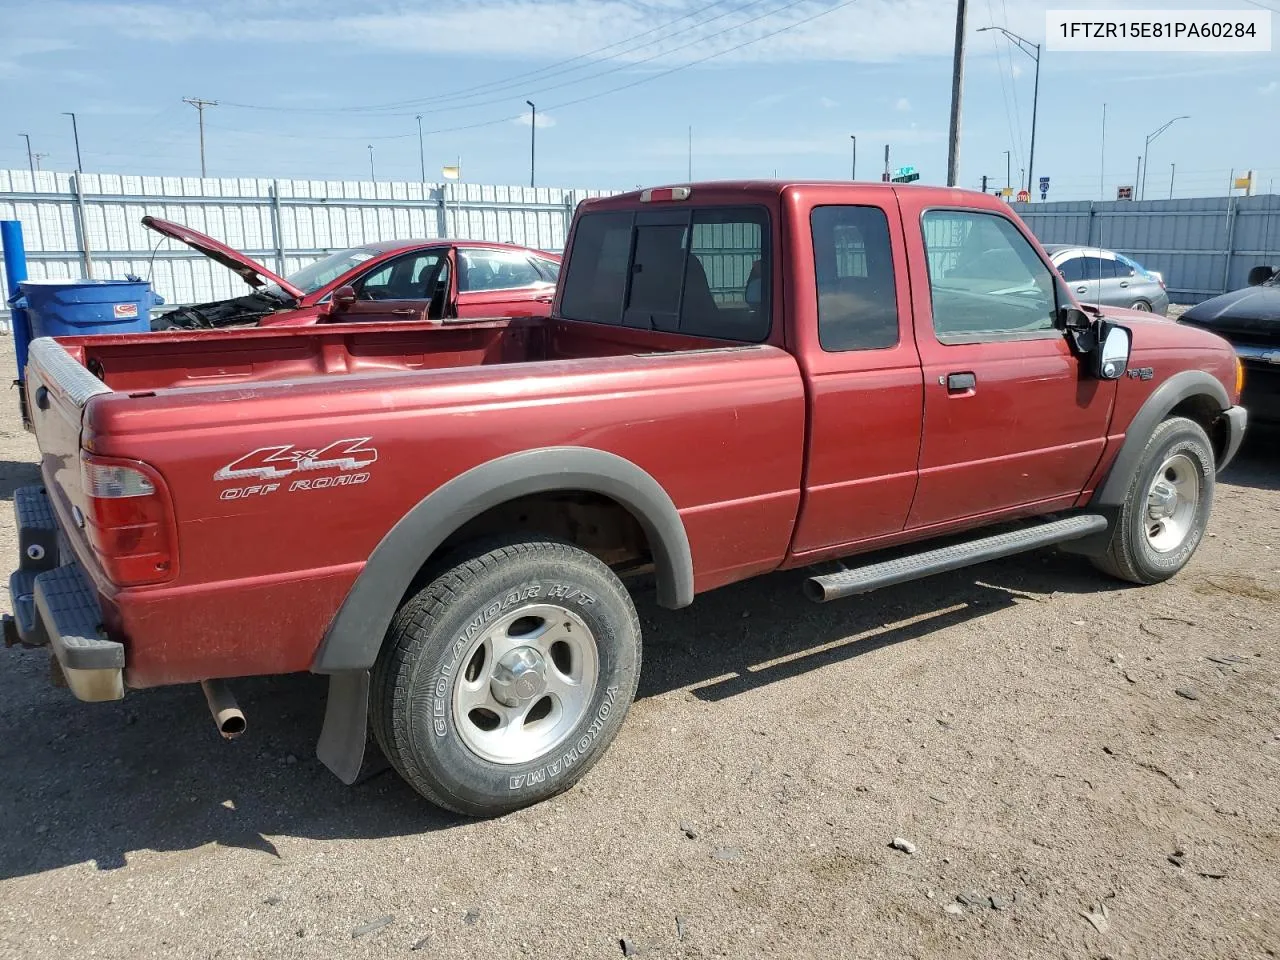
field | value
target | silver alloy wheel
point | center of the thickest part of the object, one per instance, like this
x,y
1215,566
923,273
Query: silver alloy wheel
x,y
525,683
1173,500
1141,306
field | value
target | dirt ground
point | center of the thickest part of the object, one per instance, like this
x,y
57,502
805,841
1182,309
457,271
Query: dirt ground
x,y
1017,723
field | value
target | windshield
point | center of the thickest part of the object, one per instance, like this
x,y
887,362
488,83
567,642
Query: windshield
x,y
315,275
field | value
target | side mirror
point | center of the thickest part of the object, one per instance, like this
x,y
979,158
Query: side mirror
x,y
1070,318
1260,275
344,297
1111,353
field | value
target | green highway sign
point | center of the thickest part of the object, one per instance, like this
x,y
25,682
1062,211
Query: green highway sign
x,y
907,177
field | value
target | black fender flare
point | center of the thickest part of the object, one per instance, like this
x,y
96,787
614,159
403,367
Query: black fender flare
x,y
1179,387
351,644
1109,495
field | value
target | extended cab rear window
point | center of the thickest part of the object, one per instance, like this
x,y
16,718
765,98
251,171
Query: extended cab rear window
x,y
703,271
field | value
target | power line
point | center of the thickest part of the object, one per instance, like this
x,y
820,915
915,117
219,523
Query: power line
x,y
627,65
568,103
485,87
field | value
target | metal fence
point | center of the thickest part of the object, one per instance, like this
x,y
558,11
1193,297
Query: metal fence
x,y
1203,246
89,225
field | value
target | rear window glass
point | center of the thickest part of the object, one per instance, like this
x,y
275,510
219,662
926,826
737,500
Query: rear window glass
x,y
700,271
853,265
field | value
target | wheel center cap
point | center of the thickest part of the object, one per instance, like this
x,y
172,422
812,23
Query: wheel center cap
x,y
1161,501
519,678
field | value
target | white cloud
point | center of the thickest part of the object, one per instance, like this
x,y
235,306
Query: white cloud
x,y
544,120
1270,88
1016,70
770,100
828,103
902,105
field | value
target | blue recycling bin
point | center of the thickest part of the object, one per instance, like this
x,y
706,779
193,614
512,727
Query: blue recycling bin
x,y
70,308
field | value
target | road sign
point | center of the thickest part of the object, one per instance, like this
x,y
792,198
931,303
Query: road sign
x,y
1023,196
907,178
1044,184
1006,192
884,177
1044,194
904,171
1124,193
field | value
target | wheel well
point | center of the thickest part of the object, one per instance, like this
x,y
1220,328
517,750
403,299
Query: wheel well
x,y
599,525
1205,411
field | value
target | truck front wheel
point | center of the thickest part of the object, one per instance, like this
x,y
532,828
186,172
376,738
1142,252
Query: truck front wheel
x,y
504,679
1166,510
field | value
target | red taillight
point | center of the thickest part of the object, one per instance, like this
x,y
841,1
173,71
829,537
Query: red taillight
x,y
128,521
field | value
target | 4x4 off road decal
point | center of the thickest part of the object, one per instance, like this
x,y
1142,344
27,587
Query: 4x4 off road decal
x,y
272,464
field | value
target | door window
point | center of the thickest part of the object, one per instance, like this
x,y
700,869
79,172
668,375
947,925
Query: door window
x,y
853,264
985,279
1072,269
406,278
482,270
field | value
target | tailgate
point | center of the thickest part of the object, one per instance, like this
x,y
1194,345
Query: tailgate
x,y
58,390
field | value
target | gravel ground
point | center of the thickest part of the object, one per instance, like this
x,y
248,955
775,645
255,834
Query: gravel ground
x,y
1018,724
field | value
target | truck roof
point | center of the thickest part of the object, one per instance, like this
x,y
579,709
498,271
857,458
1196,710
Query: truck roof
x,y
724,189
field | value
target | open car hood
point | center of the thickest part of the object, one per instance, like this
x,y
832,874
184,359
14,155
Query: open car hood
x,y
252,272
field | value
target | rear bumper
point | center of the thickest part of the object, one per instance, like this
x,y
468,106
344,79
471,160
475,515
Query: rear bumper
x,y
54,603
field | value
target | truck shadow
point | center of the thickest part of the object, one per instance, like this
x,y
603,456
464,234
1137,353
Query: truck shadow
x,y
103,783
1258,464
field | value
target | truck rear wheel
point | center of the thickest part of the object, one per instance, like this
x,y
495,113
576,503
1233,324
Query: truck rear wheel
x,y
506,678
1167,508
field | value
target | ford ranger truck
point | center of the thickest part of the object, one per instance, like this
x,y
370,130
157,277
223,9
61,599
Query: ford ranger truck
x,y
873,382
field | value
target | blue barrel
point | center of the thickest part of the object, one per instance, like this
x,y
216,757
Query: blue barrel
x,y
74,308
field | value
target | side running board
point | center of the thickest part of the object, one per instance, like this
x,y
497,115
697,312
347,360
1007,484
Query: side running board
x,y
846,583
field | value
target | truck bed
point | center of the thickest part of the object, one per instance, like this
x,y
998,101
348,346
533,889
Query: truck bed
x,y
135,363
267,540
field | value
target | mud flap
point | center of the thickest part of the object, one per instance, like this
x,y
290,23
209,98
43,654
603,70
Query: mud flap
x,y
346,746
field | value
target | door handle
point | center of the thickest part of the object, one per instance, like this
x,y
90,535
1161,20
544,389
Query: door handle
x,y
407,312
544,299
961,382
1082,289
1124,283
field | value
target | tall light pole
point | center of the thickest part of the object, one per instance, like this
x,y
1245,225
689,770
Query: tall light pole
x,y
853,165
1032,50
1173,168
957,86
422,161
371,174
533,140
1008,170
200,105
1146,149
75,133
30,159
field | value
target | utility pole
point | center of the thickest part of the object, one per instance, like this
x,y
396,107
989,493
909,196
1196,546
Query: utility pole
x,y
957,85
1173,168
30,162
853,167
38,158
1008,170
690,174
984,183
1147,149
371,174
1102,158
422,161
533,140
886,162
76,133
200,104
1032,50
1137,174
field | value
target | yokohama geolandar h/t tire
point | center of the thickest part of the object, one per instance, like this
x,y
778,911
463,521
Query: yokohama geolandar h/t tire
x,y
1165,513
503,680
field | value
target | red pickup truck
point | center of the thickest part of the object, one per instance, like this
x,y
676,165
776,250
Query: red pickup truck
x,y
736,378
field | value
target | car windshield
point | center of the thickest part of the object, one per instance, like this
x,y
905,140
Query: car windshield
x,y
315,275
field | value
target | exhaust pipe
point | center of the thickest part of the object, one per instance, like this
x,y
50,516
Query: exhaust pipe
x,y
227,714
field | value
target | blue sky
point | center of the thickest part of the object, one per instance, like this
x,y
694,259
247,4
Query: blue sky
x,y
288,75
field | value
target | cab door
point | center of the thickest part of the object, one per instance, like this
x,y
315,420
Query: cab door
x,y
855,345
1013,423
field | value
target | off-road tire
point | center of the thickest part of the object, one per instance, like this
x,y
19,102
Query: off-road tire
x,y
1130,554
413,680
